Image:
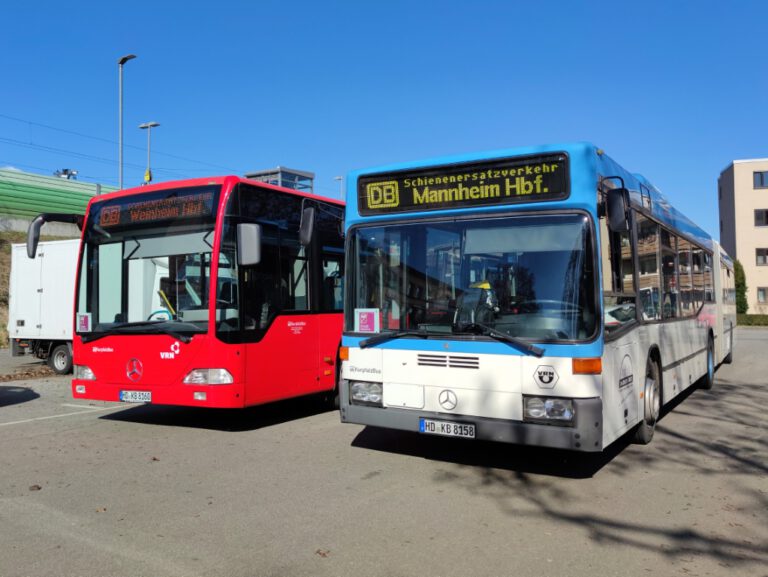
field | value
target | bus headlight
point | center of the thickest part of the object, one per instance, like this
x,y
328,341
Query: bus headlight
x,y
83,373
208,377
552,410
364,393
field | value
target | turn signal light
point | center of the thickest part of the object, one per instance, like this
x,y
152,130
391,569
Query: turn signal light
x,y
344,353
588,366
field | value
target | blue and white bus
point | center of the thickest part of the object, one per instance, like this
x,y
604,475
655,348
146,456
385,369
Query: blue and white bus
x,y
542,296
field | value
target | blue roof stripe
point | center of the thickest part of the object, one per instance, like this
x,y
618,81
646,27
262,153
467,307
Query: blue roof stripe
x,y
587,163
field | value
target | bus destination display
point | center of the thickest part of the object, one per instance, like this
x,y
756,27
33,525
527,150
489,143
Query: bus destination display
x,y
501,181
169,205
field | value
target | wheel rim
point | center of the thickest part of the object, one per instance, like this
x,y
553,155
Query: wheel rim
x,y
652,400
60,361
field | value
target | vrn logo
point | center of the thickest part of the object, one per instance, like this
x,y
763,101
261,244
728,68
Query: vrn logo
x,y
175,348
545,376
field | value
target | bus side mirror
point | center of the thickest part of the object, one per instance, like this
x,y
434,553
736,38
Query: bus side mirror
x,y
616,210
248,244
33,235
307,225
33,232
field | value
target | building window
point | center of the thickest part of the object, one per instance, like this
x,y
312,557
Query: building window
x,y
761,217
761,179
762,294
762,256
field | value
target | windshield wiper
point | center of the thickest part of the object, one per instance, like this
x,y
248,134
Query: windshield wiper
x,y
479,328
161,327
371,341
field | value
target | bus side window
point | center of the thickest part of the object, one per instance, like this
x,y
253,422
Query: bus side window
x,y
619,297
649,280
669,264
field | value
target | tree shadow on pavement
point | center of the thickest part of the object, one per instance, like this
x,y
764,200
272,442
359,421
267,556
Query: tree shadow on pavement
x,y
10,395
226,420
718,434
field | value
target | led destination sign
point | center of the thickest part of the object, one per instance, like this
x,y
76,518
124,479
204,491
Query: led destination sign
x,y
500,181
168,205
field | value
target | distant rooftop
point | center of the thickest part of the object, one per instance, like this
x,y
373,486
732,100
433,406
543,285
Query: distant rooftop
x,y
301,180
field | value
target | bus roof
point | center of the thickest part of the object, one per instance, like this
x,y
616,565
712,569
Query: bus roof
x,y
221,180
587,164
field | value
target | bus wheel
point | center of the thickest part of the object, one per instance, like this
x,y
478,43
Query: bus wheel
x,y
60,360
331,399
708,380
652,404
729,357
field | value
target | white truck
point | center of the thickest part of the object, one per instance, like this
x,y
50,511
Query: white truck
x,y
41,300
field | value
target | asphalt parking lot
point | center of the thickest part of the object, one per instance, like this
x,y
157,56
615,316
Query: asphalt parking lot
x,y
108,489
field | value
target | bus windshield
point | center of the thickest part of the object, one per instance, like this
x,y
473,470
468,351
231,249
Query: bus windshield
x,y
529,277
146,264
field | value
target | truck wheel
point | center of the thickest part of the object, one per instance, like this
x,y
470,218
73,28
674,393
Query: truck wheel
x,y
60,360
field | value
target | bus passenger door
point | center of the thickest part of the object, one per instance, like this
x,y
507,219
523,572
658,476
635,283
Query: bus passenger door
x,y
280,334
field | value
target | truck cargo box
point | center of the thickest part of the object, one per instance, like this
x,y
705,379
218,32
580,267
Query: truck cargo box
x,y
41,301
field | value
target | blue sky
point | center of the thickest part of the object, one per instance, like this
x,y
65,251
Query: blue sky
x,y
674,90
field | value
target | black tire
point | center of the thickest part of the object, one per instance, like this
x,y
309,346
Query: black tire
x,y
652,403
60,359
729,357
331,398
708,380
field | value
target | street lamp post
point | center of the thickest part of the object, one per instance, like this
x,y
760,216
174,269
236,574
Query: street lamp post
x,y
120,63
341,186
148,126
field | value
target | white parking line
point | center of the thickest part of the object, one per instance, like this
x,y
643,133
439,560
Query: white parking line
x,y
87,410
91,407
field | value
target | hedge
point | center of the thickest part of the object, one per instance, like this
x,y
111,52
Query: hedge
x,y
752,320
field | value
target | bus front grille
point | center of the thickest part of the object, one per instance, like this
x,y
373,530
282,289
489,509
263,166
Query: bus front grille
x,y
452,361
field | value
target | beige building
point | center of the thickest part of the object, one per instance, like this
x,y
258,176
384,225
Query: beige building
x,y
743,201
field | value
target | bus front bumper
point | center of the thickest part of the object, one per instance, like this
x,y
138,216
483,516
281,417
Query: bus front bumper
x,y
586,434
211,396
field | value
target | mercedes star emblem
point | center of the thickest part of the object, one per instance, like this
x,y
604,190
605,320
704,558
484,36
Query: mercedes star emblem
x,y
448,400
134,369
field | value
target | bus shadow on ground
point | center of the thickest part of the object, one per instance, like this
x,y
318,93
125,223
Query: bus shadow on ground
x,y
10,395
490,455
225,420
502,456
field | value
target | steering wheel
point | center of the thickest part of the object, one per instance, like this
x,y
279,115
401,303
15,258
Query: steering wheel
x,y
165,312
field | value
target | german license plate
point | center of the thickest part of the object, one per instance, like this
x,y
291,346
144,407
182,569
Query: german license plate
x,y
136,396
446,428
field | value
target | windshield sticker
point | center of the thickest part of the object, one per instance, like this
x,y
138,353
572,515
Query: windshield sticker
x,y
84,322
367,320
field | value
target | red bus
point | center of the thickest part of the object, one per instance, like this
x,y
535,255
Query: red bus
x,y
216,292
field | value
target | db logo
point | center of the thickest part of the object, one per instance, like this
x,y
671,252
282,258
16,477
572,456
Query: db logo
x,y
383,194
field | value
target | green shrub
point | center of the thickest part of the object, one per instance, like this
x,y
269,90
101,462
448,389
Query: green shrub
x,y
752,320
